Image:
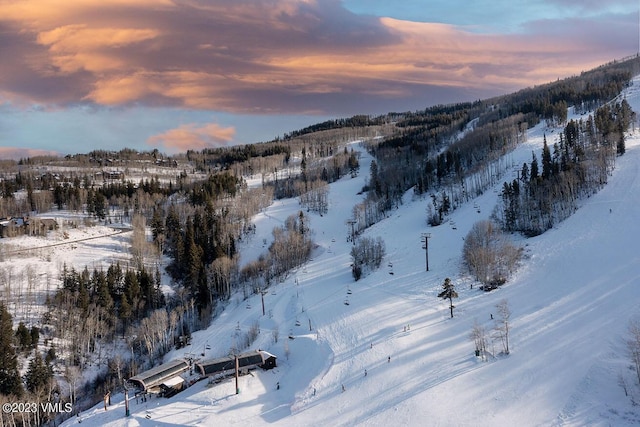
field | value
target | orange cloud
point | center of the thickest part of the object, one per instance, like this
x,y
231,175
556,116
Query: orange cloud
x,y
38,14
193,137
280,56
125,89
75,47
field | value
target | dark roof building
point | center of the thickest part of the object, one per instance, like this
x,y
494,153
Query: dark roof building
x,y
223,366
159,374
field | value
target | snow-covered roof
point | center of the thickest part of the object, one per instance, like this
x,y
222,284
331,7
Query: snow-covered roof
x,y
172,382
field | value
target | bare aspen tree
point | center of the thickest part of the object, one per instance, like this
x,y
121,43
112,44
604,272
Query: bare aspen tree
x,y
31,294
633,345
153,333
502,324
366,254
219,274
622,382
138,239
488,254
115,365
72,375
315,199
479,337
253,332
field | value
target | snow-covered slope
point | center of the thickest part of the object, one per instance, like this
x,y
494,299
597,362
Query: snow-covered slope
x,y
571,302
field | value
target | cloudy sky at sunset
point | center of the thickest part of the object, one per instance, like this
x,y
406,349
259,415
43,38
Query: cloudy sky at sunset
x,y
189,74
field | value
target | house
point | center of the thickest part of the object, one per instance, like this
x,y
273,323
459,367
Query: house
x,y
39,226
5,224
49,224
11,227
113,174
269,360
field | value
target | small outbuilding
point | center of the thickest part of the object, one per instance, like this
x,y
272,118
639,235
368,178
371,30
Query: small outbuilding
x,y
269,360
172,386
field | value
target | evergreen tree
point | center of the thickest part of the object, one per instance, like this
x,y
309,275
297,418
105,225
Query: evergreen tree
x,y
303,168
90,202
354,165
125,312
158,297
448,292
99,205
547,162
83,297
51,355
131,288
23,336
511,197
115,279
10,383
620,143
157,224
445,206
101,289
35,336
172,225
524,174
534,173
374,180
38,375
193,253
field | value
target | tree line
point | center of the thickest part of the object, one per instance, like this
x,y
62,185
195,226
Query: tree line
x,y
446,150
576,166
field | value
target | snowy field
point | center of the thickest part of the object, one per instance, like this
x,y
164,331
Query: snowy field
x,y
571,302
30,266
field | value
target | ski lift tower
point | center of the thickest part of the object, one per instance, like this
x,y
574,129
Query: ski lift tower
x,y
424,237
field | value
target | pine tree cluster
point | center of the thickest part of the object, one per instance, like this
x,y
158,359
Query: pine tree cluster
x,y
577,167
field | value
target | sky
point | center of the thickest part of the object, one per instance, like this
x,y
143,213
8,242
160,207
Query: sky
x,y
175,75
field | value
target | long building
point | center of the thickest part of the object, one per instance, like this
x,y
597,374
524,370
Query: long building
x,y
154,377
167,378
224,366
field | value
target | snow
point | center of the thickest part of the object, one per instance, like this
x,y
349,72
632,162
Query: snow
x,y
30,266
571,302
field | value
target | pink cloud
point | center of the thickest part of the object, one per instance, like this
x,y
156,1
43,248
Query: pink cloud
x,y
76,47
276,56
192,137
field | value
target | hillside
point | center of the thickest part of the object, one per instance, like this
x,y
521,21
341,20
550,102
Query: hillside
x,y
571,301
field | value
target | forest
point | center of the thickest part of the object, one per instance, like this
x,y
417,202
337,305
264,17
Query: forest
x,y
198,206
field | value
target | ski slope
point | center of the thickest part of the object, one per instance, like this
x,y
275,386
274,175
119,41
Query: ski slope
x,y
571,301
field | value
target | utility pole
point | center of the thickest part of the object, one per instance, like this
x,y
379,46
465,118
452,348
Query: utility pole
x,y
424,237
126,400
237,375
352,222
262,291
